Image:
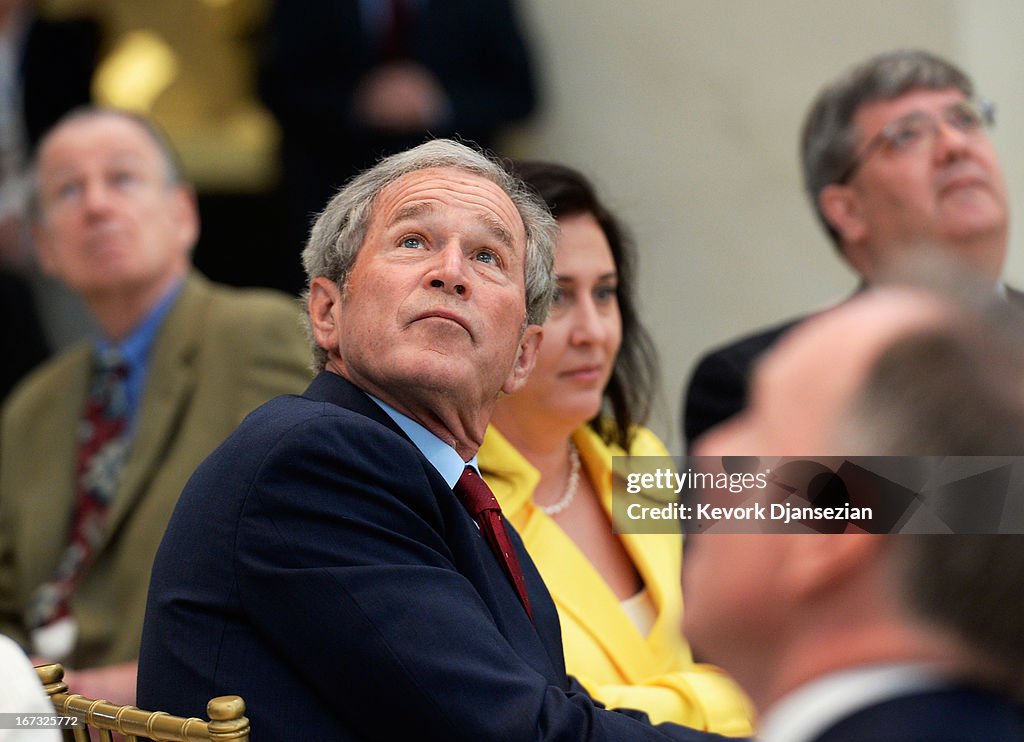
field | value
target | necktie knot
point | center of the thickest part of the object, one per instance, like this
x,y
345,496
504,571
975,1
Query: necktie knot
x,y
474,493
107,391
110,363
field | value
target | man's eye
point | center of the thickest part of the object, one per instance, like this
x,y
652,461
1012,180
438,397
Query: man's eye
x,y
486,256
123,178
604,294
558,298
68,191
964,118
906,135
413,243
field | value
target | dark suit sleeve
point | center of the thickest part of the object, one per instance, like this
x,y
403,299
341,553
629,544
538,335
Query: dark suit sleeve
x,y
314,58
717,391
719,385
350,562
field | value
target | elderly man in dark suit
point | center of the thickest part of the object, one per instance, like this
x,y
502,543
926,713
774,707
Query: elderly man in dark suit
x,y
331,562
854,636
895,157
97,443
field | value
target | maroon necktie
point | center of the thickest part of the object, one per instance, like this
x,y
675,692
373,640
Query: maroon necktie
x,y
103,445
479,501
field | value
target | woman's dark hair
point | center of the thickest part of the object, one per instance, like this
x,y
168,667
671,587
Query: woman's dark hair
x,y
630,391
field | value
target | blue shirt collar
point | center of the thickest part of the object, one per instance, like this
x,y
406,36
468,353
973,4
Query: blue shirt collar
x,y
443,457
135,348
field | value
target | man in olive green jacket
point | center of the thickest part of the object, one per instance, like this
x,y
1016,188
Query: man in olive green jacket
x,y
115,222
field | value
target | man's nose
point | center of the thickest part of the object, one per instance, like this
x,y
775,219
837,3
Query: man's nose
x,y
949,140
95,197
448,269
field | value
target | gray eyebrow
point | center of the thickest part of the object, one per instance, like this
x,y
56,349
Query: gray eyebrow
x,y
493,225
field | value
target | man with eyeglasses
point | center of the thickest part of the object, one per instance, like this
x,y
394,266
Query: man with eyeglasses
x,y
896,159
97,443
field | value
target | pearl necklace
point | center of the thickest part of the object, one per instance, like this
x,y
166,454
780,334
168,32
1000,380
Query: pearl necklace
x,y
570,489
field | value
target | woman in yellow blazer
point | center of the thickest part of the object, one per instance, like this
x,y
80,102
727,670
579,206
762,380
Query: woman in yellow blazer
x,y
548,454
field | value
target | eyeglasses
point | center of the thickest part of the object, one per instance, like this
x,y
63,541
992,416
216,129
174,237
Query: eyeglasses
x,y
918,130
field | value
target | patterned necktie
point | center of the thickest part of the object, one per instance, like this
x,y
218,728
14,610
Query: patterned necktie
x,y
102,445
479,501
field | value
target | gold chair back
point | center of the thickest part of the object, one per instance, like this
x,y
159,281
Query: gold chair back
x,y
227,716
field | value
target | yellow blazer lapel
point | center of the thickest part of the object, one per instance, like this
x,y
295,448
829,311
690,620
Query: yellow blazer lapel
x,y
658,556
584,598
610,625
580,593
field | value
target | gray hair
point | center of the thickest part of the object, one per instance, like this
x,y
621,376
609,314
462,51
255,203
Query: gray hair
x,y
340,229
829,139
173,171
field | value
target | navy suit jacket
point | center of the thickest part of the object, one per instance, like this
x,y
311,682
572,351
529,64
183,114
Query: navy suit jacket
x,y
320,567
958,714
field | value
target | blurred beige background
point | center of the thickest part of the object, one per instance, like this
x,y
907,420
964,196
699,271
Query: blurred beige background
x,y
685,112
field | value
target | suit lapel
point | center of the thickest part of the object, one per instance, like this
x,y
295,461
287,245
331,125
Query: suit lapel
x,y
657,558
169,387
57,436
543,639
330,387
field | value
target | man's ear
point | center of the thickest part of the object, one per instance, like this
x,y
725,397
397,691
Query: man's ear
x,y
324,307
818,562
526,357
186,217
841,207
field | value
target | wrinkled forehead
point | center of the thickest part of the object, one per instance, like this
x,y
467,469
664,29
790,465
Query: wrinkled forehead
x,y
434,190
103,134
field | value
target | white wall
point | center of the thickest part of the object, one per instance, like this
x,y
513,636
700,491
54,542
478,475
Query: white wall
x,y
687,112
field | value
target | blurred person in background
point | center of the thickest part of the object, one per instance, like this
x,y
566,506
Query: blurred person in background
x,y
896,157
46,68
351,81
852,636
97,443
